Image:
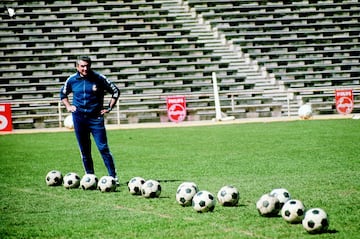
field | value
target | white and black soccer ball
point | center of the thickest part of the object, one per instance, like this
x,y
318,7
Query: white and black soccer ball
x,y
203,201
293,211
89,182
151,189
71,180
282,194
268,205
315,221
107,184
188,183
185,193
68,122
305,112
228,196
135,184
54,178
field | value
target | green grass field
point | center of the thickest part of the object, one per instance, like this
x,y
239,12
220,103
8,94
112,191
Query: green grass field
x,y
317,161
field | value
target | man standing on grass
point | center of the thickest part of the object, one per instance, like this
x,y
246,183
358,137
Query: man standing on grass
x,y
88,88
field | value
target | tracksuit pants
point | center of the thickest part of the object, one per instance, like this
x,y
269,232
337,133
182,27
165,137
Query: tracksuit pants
x,y
84,126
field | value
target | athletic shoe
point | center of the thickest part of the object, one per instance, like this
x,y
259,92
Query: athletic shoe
x,y
117,181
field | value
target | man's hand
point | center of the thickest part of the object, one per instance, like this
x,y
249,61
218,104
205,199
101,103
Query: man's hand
x,y
71,108
104,111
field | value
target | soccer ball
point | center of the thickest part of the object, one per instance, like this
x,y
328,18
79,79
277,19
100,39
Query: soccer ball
x,y
107,184
71,180
68,122
134,185
54,178
282,194
305,112
151,189
89,182
268,205
190,184
203,201
293,211
228,196
315,221
185,193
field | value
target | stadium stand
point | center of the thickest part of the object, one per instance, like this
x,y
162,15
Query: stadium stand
x,y
269,56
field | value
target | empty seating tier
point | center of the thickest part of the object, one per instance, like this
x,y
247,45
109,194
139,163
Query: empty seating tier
x,y
260,51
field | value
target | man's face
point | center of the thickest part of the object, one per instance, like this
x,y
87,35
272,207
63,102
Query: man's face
x,y
83,68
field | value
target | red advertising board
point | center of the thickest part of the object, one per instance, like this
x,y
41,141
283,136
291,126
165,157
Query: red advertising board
x,y
5,117
344,101
176,108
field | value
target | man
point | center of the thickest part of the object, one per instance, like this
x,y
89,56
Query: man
x,y
88,88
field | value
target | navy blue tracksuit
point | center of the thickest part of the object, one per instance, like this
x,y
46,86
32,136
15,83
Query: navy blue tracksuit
x,y
88,97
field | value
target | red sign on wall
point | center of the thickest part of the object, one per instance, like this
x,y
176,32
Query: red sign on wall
x,y
176,108
5,117
344,101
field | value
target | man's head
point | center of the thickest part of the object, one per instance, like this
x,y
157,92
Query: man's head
x,y
83,65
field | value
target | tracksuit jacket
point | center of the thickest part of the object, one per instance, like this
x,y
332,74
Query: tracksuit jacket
x,y
88,92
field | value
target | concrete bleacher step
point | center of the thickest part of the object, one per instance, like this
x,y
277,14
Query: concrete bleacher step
x,y
221,15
